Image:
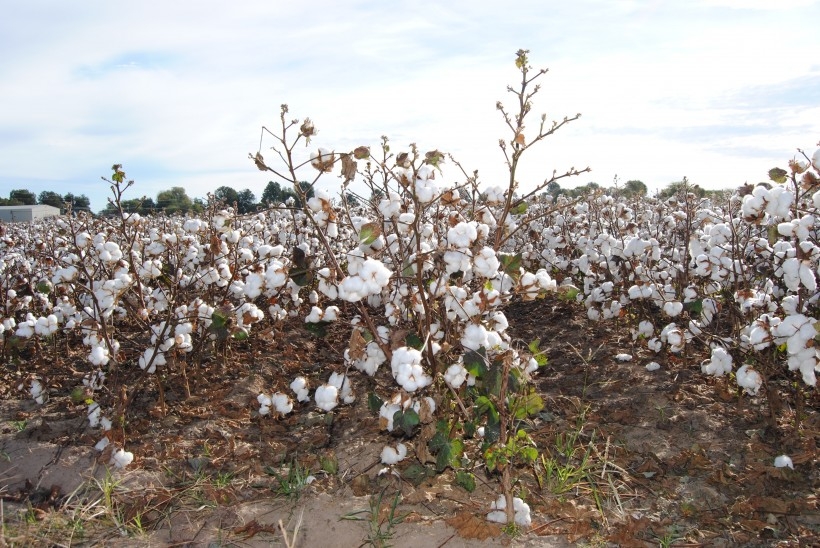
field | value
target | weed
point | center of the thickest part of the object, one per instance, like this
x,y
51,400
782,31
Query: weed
x,y
19,426
292,484
380,523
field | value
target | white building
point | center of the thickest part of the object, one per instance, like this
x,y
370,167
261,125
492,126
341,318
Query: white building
x,y
24,213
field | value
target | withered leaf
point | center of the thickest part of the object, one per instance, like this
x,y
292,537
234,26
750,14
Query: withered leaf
x,y
473,527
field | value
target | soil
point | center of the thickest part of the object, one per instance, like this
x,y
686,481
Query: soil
x,y
638,458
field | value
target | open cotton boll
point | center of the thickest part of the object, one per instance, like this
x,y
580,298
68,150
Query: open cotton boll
x,y
653,366
122,458
392,456
342,383
455,375
673,308
783,461
299,386
623,357
498,512
37,392
748,379
102,444
264,404
282,403
327,397
719,364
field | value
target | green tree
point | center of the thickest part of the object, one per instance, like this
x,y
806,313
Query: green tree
x,y
246,201
174,200
634,188
78,203
227,195
23,197
274,193
53,199
681,187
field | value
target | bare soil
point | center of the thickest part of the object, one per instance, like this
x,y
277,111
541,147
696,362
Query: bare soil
x,y
669,457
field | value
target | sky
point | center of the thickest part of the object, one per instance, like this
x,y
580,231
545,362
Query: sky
x,y
719,91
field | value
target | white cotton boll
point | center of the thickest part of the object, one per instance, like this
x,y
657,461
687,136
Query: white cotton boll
x,y
264,404
392,456
94,414
37,392
102,444
281,403
455,375
327,397
122,458
748,379
386,413
498,512
623,357
99,355
653,366
299,386
342,382
783,461
475,337
673,308
719,364
315,315
462,235
352,289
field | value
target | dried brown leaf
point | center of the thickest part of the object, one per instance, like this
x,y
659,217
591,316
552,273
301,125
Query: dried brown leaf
x,y
472,527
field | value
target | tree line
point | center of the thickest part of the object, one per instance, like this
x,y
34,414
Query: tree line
x,y
22,196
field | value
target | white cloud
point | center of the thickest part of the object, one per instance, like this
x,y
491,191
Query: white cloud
x,y
178,95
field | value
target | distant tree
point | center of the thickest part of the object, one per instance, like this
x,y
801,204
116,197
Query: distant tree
x,y
78,203
24,197
174,200
681,187
199,205
227,195
53,199
246,201
634,188
554,188
275,193
352,200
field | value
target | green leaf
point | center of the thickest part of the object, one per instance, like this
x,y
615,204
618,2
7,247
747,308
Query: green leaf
x,y
417,473
537,353
475,362
219,320
413,341
44,287
778,175
519,209
374,402
465,480
528,454
485,406
406,421
694,307
319,328
511,264
240,334
369,233
448,452
528,405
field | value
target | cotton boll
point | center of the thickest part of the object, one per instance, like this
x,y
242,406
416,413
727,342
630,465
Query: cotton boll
x,y
783,461
623,357
264,404
392,456
719,364
749,380
282,403
498,512
326,397
299,386
653,366
102,444
673,308
455,375
342,383
122,458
